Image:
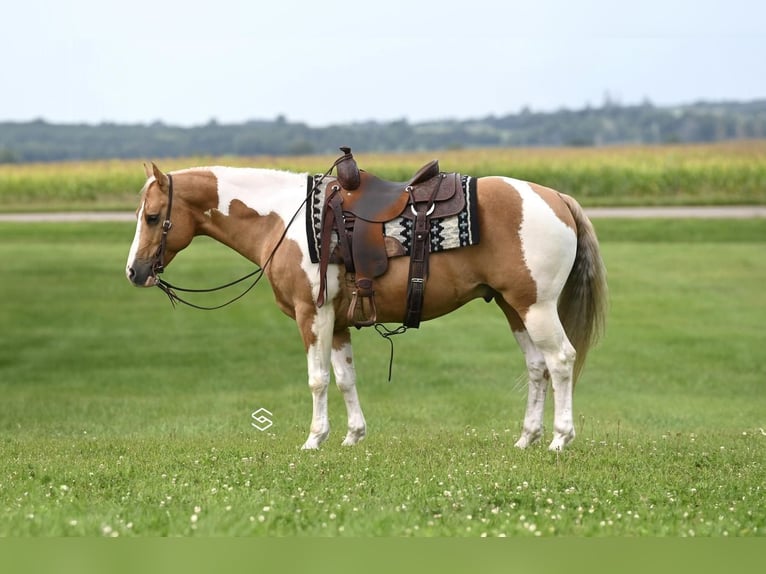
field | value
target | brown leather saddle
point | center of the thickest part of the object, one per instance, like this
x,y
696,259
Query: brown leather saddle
x,y
357,204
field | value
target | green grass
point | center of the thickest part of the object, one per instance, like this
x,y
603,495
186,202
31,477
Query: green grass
x,y
121,416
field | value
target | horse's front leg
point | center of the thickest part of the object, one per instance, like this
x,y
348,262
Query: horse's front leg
x,y
345,378
317,328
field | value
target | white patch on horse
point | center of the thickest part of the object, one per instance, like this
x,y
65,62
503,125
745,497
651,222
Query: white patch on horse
x,y
264,190
136,241
540,229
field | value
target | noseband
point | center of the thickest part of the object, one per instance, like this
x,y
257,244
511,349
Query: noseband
x,y
158,265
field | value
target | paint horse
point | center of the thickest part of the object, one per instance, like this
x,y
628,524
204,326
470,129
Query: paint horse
x,y
538,259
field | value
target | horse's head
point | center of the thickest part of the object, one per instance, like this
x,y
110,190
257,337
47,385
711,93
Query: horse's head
x,y
163,228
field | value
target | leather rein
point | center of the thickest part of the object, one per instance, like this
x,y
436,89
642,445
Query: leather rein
x,y
158,265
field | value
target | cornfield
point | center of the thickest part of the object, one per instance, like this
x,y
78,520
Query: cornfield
x,y
709,174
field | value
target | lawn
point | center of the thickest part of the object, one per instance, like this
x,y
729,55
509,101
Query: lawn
x,y
123,417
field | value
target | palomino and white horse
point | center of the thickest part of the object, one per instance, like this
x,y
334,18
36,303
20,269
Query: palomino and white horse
x,y
538,258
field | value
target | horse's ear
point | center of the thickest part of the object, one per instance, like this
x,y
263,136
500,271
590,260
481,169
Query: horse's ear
x,y
147,171
161,178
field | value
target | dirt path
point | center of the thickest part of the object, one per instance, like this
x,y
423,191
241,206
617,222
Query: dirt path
x,y
721,212
68,217
680,212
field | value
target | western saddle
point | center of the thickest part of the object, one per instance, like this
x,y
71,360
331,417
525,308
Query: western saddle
x,y
356,206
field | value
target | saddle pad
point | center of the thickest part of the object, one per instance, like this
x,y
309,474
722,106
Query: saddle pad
x,y
460,230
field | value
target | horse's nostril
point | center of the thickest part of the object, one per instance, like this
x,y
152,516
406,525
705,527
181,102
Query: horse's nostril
x,y
131,273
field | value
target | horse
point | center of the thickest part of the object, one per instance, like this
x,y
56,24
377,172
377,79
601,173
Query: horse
x,y
538,259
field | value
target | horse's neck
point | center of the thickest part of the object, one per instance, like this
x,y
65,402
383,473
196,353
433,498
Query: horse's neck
x,y
253,208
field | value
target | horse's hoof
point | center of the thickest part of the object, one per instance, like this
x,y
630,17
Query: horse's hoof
x,y
314,440
353,437
560,440
528,439
522,443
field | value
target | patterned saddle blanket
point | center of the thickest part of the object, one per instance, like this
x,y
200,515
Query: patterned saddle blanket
x,y
460,230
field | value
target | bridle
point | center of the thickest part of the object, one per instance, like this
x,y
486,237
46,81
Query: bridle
x,y
158,264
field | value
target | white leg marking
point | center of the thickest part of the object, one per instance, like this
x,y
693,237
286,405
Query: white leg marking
x,y
538,385
545,330
345,378
319,376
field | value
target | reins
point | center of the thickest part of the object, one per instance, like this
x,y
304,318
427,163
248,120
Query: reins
x,y
171,290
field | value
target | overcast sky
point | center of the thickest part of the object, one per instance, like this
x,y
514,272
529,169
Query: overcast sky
x,y
326,61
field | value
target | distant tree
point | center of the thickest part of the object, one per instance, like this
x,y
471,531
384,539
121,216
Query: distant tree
x,y
300,147
612,123
7,155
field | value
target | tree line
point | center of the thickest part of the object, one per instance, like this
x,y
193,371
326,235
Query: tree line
x,y
609,124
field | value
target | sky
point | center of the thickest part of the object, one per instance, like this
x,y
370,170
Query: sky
x,y
325,62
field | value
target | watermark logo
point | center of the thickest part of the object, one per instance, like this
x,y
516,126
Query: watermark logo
x,y
262,418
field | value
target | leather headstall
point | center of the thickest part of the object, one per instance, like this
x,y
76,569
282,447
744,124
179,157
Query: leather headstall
x,y
158,266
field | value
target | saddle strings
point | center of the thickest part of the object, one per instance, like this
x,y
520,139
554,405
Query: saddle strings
x,y
387,333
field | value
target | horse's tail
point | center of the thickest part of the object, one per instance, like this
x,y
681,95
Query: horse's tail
x,y
584,300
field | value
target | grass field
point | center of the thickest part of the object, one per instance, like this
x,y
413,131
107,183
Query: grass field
x,y
122,417
722,173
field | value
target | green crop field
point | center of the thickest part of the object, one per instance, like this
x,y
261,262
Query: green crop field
x,y
123,417
710,174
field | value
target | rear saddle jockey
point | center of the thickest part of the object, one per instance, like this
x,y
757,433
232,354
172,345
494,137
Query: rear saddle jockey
x,y
357,204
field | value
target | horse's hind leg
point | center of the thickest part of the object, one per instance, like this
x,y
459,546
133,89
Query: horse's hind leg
x,y
538,378
538,385
345,378
546,332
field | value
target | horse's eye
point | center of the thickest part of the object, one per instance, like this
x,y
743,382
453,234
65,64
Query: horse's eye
x,y
153,219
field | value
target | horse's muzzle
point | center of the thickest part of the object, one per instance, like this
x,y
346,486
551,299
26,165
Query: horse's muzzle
x,y
141,275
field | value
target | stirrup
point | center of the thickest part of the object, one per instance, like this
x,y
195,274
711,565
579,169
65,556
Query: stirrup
x,y
363,291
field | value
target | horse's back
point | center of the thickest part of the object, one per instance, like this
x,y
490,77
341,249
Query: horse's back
x,y
515,199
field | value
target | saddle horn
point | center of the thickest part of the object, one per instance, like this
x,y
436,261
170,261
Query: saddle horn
x,y
348,171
